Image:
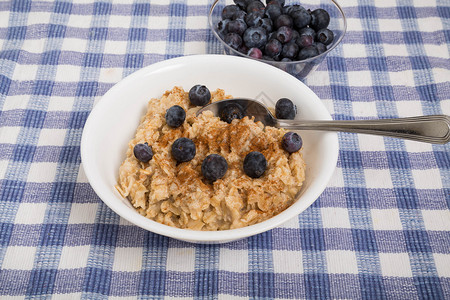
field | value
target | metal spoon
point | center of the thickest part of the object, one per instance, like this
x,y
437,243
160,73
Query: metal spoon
x,y
433,129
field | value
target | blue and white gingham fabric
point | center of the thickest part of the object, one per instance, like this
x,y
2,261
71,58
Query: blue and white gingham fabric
x,y
381,229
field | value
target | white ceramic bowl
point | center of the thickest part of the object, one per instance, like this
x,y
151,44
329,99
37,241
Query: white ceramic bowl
x,y
114,119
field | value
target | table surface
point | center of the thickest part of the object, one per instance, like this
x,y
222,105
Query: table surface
x,y
380,230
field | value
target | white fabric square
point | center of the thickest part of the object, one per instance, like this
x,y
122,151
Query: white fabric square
x,y
378,178
60,103
409,108
68,73
19,258
287,261
16,102
390,24
25,72
181,259
438,220
354,50
72,296
341,261
33,46
8,135
119,21
158,22
110,75
233,260
354,24
3,167
439,74
430,24
412,146
195,47
128,259
83,213
115,47
82,175
364,109
74,44
291,223
359,78
427,179
337,180
225,297
30,213
43,17
442,263
395,50
371,142
155,47
403,78
52,137
335,217
395,264
445,106
421,3
80,20
197,22
386,219
74,257
42,172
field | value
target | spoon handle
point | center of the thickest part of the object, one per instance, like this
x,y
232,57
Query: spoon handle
x,y
433,129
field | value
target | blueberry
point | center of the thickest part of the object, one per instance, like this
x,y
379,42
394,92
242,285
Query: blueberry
x,y
255,6
325,36
267,24
255,164
175,116
222,27
230,112
283,20
295,35
319,19
255,37
233,40
308,31
253,19
273,48
199,95
280,2
243,49
273,10
304,41
183,149
285,109
143,152
239,15
284,34
289,9
237,26
290,50
291,142
307,52
241,3
229,10
301,18
214,167
255,53
321,48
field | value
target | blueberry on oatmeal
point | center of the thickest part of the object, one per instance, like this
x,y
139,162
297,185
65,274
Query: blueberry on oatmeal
x,y
199,95
230,112
183,149
143,152
291,142
255,164
214,167
285,109
175,116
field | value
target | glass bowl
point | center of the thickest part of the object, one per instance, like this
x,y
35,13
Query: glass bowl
x,y
300,69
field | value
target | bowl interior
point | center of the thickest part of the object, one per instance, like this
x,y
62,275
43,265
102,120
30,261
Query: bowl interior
x,y
113,122
299,69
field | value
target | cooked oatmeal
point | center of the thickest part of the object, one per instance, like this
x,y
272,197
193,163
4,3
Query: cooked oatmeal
x,y
176,194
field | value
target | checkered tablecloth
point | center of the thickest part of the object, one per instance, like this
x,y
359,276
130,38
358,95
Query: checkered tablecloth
x,y
380,230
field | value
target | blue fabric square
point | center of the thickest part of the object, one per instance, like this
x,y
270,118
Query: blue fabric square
x,y
105,234
56,31
137,34
406,198
206,283
383,92
178,10
141,9
442,159
93,60
21,5
317,286
356,197
6,230
406,12
27,235
97,281
14,282
350,159
12,55
377,63
289,286
69,281
372,37
5,83
87,89
53,234
134,61
398,160
177,35
41,282
102,8
367,12
98,33
124,284
62,7
372,286
417,241
428,92
62,192
336,63
340,92
312,239
43,87
364,240
261,285
24,153
419,62
51,57
34,118
78,119
16,32
70,154
260,241
152,282
413,38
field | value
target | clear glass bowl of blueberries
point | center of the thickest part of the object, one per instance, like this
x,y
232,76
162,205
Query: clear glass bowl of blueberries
x,y
293,35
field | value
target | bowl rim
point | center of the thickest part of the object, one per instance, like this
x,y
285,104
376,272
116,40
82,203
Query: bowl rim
x,y
279,63
186,234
